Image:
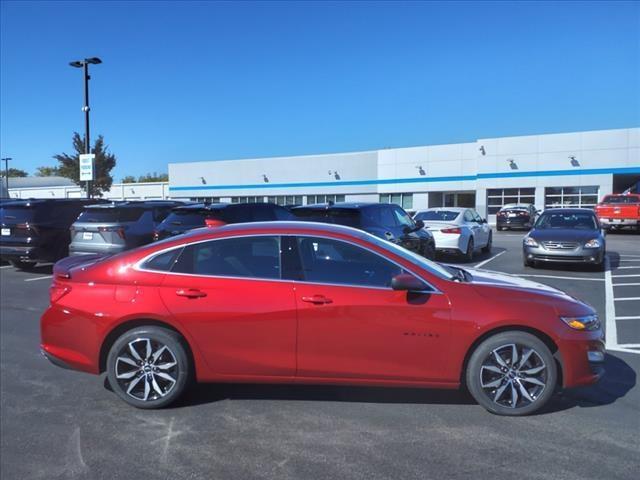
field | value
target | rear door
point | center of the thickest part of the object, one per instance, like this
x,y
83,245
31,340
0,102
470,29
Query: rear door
x,y
228,293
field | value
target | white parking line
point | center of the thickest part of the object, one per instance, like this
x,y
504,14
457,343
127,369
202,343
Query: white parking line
x,y
627,268
628,318
38,278
633,260
489,259
6,266
611,331
626,284
624,276
629,256
561,278
630,345
626,299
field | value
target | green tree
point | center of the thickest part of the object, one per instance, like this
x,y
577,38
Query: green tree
x,y
154,177
47,171
16,172
105,161
129,179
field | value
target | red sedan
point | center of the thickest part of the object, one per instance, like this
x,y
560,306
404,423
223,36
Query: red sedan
x,y
297,302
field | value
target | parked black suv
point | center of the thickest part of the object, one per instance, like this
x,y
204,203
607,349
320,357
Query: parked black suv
x,y
516,216
188,217
384,220
37,230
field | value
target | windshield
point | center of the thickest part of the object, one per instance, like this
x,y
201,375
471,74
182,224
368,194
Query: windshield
x,y
437,215
433,267
110,215
621,199
559,220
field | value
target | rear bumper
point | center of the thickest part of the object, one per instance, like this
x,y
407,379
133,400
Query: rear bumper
x,y
619,222
75,250
449,242
513,223
18,252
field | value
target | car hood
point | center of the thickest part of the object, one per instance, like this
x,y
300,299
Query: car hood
x,y
563,235
496,279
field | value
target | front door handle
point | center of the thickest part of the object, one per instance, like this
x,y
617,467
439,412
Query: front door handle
x,y
317,299
190,293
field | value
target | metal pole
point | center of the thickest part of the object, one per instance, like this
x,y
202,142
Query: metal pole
x,y
6,173
87,145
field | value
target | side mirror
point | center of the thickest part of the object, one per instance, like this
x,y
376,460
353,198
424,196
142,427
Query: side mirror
x,y
404,281
419,224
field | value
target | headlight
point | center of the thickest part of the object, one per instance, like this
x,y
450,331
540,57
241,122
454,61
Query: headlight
x,y
595,243
588,322
530,242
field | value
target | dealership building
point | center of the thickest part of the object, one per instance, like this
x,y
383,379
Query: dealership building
x,y
564,169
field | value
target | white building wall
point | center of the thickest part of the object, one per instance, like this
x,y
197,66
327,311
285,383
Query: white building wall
x,y
119,191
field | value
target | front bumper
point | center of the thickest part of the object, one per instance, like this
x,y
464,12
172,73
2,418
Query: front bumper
x,y
579,367
578,255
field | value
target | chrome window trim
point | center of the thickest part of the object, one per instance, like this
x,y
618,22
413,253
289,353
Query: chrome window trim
x,y
138,265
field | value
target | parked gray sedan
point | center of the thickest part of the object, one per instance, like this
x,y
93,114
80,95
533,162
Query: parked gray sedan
x,y
566,235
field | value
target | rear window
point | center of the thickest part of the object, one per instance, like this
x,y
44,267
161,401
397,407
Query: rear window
x,y
110,215
621,199
560,220
437,216
17,214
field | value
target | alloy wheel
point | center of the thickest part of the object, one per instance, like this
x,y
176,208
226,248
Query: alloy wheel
x,y
146,369
513,375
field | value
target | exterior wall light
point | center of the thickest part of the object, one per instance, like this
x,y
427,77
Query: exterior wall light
x,y
574,161
265,178
482,150
335,174
204,182
512,164
421,170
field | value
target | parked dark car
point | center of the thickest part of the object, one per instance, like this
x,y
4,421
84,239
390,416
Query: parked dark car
x,y
187,217
118,226
565,235
384,220
37,230
516,216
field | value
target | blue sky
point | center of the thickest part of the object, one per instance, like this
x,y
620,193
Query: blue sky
x,y
187,81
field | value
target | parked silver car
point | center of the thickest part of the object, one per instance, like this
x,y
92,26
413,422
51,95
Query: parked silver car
x,y
565,235
114,227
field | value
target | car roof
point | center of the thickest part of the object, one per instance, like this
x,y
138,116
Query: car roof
x,y
448,209
516,205
136,204
48,201
198,207
568,210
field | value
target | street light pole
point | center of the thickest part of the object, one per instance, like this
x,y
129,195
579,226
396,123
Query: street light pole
x,y
6,172
84,64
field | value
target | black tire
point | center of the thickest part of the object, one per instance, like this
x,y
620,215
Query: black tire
x,y
500,385
166,391
430,251
487,247
468,255
500,229
528,263
23,264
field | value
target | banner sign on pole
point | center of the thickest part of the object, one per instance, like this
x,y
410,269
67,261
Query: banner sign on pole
x,y
87,167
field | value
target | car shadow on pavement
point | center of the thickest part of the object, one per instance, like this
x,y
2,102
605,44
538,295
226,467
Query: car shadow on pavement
x,y
41,269
618,380
208,393
477,258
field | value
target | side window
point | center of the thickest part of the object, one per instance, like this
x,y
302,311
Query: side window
x,y
403,219
468,216
163,261
387,217
159,214
246,257
476,217
325,260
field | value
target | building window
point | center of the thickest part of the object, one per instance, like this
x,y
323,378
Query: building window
x,y
285,199
499,197
580,197
312,199
205,199
247,199
404,200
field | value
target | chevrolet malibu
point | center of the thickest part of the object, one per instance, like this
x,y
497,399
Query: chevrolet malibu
x,y
310,303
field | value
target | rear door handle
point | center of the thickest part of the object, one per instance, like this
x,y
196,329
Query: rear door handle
x,y
317,299
190,293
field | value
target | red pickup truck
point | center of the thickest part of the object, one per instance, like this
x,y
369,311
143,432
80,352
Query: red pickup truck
x,y
619,210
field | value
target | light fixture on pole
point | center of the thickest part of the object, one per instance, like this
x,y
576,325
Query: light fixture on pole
x,y
84,64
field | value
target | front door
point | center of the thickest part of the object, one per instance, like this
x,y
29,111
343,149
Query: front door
x,y
229,295
351,324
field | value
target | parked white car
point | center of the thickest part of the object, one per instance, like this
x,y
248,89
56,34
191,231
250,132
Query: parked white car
x,y
460,231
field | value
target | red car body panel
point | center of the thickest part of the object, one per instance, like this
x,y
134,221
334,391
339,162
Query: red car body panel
x,y
248,330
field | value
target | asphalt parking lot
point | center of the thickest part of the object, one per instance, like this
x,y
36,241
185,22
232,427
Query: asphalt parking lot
x,y
59,424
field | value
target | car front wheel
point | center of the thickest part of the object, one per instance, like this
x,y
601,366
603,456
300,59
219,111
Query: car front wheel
x,y
512,373
148,367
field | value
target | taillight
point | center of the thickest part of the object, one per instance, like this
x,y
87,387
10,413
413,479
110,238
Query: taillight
x,y
57,291
451,230
26,226
522,214
213,222
501,214
118,230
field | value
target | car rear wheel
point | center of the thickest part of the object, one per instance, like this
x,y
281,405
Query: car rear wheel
x,y
512,373
23,264
148,367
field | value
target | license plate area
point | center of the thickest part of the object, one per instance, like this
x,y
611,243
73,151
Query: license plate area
x,y
6,232
87,236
